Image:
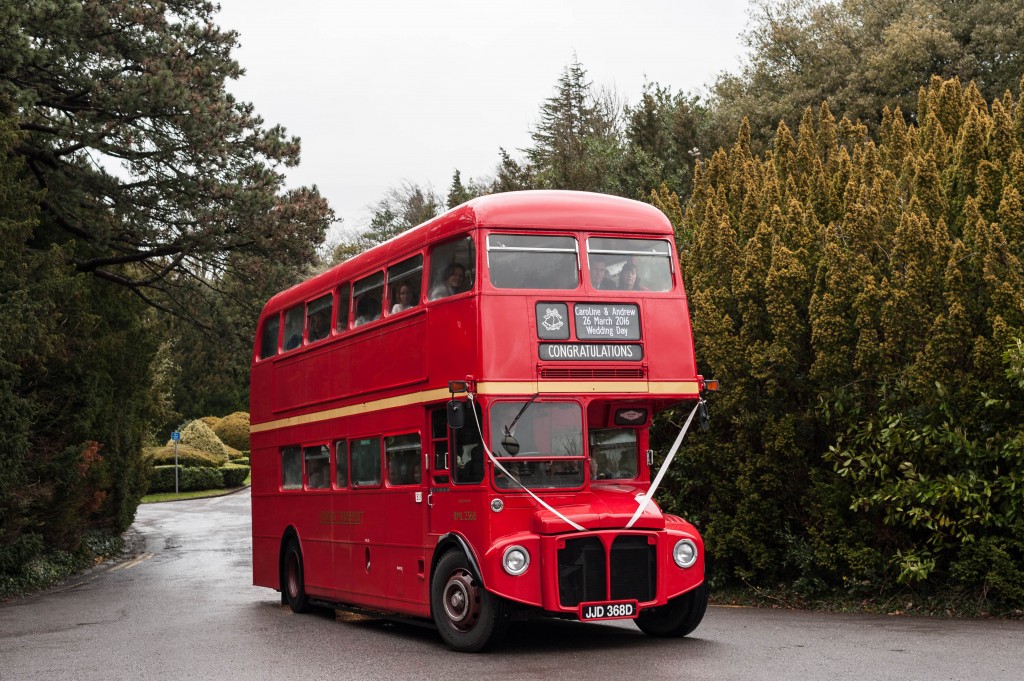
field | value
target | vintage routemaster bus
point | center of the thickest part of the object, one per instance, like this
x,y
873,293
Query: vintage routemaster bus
x,y
454,424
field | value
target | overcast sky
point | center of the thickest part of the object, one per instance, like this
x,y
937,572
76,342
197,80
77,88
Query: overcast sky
x,y
393,90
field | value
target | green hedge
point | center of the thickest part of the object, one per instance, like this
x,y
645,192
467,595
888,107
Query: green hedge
x,y
240,461
189,479
234,475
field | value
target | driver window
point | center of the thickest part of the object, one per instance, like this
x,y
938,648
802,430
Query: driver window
x,y
469,451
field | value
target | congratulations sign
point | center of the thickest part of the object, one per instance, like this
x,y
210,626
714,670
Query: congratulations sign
x,y
591,352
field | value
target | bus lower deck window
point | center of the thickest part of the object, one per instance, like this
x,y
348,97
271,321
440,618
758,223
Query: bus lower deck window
x,y
291,468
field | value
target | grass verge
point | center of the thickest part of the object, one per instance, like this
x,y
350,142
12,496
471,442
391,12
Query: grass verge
x,y
196,494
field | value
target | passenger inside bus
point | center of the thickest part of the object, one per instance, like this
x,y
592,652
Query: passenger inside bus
x,y
454,282
403,298
599,278
367,310
319,326
629,280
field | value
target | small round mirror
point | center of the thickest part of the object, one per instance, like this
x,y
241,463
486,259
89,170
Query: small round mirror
x,y
510,444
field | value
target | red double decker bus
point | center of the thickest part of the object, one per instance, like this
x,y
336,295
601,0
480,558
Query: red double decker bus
x,y
455,424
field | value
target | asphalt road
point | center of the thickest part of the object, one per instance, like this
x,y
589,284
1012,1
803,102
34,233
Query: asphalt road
x,y
184,609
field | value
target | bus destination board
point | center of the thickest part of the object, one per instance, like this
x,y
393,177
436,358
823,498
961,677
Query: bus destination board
x,y
607,321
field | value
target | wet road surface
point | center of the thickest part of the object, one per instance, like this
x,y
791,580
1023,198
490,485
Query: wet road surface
x,y
184,608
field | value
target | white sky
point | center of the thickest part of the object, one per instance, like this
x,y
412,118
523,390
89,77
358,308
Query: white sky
x,y
393,90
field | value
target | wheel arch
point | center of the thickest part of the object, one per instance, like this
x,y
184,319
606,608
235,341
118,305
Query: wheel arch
x,y
290,534
455,541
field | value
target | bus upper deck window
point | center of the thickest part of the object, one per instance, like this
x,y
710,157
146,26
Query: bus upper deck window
x,y
629,264
343,295
293,327
404,280
368,296
268,340
523,261
318,318
452,268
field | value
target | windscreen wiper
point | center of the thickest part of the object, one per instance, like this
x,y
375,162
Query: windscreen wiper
x,y
509,443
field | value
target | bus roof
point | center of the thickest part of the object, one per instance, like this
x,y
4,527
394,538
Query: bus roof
x,y
522,210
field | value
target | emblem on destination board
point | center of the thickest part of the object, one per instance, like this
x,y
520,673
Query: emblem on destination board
x,y
552,320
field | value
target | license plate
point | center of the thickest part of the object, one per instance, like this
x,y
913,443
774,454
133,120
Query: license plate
x,y
608,610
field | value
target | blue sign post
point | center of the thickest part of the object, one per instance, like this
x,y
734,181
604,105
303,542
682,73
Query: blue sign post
x,y
175,437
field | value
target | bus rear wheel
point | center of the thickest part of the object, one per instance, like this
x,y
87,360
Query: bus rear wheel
x,y
293,578
678,617
468,617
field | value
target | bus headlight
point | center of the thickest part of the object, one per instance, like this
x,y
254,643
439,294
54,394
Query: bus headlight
x,y
685,553
515,560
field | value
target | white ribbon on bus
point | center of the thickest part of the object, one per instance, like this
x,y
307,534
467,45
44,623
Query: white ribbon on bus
x,y
643,500
497,464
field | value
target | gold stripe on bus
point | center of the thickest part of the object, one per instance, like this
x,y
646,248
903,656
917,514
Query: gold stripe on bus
x,y
486,388
580,387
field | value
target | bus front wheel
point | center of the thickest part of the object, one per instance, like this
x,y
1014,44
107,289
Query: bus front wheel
x,y
294,579
469,617
678,617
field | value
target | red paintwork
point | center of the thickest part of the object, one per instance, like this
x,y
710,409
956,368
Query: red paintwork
x,y
487,334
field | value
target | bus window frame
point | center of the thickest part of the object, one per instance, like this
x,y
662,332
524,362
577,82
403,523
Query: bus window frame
x,y
284,487
330,318
386,472
336,457
275,319
403,276
342,322
380,463
581,459
382,273
301,331
471,268
605,253
305,467
573,236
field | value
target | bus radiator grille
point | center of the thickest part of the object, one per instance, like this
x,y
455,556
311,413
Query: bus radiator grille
x,y
582,575
634,568
583,570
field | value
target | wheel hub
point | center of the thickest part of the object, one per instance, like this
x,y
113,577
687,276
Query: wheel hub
x,y
461,601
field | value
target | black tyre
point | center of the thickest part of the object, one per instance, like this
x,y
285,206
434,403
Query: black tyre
x,y
469,617
293,578
678,617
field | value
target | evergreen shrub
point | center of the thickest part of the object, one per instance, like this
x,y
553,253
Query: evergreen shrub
x,y
234,476
187,456
200,436
233,430
189,479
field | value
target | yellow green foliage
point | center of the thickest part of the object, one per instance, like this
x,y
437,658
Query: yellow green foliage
x,y
233,430
856,298
200,436
211,421
189,457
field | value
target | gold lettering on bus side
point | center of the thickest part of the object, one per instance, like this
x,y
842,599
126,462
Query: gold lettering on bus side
x,y
341,517
464,515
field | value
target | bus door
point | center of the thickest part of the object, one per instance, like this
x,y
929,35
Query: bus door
x,y
455,495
